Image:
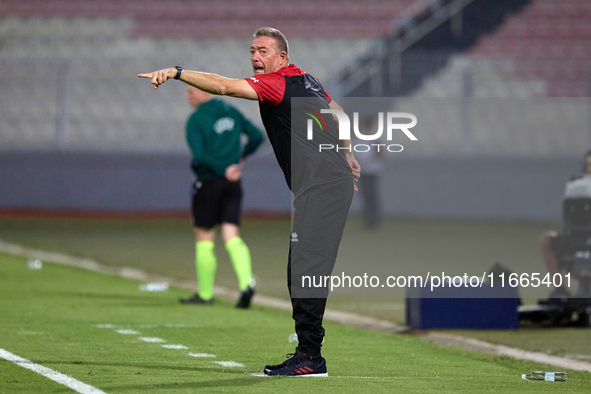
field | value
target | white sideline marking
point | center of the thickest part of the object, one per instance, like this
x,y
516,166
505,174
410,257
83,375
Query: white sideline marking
x,y
174,346
485,347
128,332
201,355
578,356
229,364
263,375
58,377
105,326
152,339
317,375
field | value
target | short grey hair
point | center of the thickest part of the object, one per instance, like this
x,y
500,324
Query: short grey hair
x,y
277,35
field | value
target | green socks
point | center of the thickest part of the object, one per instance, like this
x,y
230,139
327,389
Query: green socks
x,y
205,262
240,256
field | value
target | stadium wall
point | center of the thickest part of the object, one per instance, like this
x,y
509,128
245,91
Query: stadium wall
x,y
461,188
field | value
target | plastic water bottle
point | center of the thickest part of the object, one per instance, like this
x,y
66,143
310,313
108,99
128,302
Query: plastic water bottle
x,y
547,376
34,264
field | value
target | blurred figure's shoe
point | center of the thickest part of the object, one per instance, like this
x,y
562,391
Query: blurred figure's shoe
x,y
245,297
196,300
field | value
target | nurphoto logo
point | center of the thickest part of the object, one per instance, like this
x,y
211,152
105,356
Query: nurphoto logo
x,y
345,130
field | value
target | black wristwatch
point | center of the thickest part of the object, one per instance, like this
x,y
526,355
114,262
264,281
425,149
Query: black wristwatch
x,y
179,70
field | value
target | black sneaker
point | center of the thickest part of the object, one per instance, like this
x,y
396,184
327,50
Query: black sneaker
x,y
245,297
196,300
300,365
291,359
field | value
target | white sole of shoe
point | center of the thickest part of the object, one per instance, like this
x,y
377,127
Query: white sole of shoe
x,y
316,375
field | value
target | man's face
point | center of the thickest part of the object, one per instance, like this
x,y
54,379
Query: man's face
x,y
588,164
196,97
265,56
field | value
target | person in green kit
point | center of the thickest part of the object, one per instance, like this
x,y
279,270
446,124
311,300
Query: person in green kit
x,y
214,133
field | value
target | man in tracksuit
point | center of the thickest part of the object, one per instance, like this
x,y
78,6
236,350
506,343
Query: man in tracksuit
x,y
322,182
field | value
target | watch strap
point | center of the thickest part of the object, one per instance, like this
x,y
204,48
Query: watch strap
x,y
179,69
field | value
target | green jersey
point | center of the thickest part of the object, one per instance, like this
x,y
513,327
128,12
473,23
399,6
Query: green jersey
x,y
214,135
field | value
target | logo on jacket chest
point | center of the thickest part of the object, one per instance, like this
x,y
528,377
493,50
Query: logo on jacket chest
x,y
223,124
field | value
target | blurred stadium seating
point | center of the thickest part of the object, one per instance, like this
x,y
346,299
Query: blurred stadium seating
x,y
548,41
226,18
69,67
539,49
107,106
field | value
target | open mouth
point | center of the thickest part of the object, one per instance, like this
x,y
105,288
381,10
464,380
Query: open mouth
x,y
258,69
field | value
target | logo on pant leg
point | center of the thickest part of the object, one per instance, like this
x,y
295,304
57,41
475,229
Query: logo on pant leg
x,y
294,237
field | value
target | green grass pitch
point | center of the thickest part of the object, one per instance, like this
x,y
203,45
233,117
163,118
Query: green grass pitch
x,y
68,319
53,316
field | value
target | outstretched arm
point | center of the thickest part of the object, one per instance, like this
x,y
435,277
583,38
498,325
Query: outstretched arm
x,y
212,83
